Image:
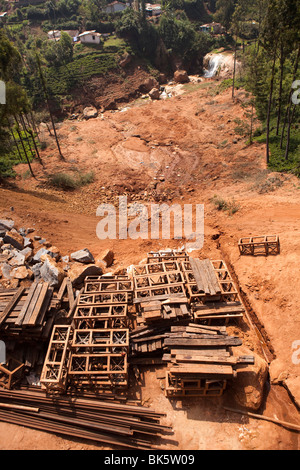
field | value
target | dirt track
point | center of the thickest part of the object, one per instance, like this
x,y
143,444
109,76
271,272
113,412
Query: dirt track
x,y
190,144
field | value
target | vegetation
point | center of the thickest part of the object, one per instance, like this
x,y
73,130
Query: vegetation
x,y
69,182
271,62
231,207
40,74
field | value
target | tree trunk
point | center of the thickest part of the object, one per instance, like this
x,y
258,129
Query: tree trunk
x,y
269,107
33,124
32,138
15,140
48,105
282,60
288,110
26,134
288,138
251,125
23,146
234,68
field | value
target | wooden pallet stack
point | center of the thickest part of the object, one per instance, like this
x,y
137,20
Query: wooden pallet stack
x,y
27,313
27,316
211,290
166,255
159,291
104,302
91,353
200,361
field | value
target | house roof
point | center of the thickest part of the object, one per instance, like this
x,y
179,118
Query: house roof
x,y
210,24
86,33
71,32
153,6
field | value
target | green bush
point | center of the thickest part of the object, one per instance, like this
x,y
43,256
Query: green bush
x,y
227,206
68,182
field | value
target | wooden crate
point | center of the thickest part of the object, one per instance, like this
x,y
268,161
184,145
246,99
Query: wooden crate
x,y
259,245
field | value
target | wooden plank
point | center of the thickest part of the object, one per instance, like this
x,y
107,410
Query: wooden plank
x,y
197,275
62,289
204,370
219,352
154,315
26,304
75,303
9,307
212,278
202,271
172,298
216,317
41,298
218,329
153,308
33,301
190,329
70,292
216,341
206,274
148,306
45,306
184,310
219,307
148,338
206,359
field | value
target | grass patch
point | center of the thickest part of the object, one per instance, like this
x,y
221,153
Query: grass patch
x,y
226,84
191,87
68,182
231,207
9,156
277,158
265,185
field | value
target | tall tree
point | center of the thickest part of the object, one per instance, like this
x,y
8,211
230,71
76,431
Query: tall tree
x,y
43,81
224,12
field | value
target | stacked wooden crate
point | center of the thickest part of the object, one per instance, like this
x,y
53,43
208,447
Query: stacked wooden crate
x,y
200,361
94,350
211,290
159,291
260,245
27,316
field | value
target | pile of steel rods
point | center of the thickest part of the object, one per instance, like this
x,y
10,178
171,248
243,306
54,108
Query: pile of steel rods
x,y
117,424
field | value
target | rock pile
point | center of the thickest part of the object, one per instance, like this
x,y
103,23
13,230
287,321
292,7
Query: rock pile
x,y
26,256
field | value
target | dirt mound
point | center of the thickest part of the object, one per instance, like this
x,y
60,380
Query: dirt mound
x,y
110,91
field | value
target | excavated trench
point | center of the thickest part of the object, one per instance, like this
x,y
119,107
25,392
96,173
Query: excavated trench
x,y
275,396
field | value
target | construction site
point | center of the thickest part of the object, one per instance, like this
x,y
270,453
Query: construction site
x,y
141,344
76,348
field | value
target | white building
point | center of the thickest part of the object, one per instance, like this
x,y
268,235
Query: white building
x,y
114,7
90,37
56,35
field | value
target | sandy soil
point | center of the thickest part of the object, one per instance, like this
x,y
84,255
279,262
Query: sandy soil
x,y
189,145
